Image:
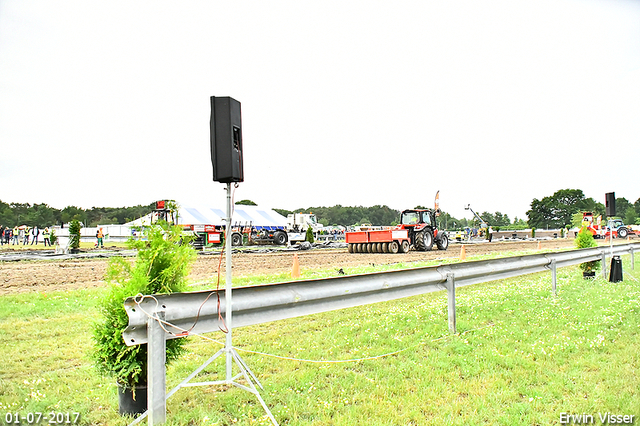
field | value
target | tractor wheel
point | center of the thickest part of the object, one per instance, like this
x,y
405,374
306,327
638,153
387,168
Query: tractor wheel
x,y
374,248
622,233
369,249
404,247
356,248
350,248
385,247
280,238
443,243
393,247
424,240
236,239
379,248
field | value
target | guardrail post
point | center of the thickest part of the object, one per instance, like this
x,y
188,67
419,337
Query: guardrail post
x,y
604,264
156,371
451,293
632,260
553,277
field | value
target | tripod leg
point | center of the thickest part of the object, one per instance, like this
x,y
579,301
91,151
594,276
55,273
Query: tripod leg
x,y
246,367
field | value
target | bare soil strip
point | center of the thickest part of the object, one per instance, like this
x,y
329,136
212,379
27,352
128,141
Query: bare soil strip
x,y
70,274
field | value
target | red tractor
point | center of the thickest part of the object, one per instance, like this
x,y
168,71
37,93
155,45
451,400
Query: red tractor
x,y
417,229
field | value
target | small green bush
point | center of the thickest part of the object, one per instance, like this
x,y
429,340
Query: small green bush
x,y
585,240
533,232
309,236
74,234
162,265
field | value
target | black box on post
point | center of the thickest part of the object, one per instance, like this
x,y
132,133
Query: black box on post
x,y
610,203
226,140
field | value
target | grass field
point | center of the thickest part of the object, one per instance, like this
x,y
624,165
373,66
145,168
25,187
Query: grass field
x,y
522,357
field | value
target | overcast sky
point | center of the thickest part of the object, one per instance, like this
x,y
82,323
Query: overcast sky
x,y
493,103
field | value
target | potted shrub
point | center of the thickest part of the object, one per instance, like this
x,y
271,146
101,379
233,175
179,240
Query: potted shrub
x,y
161,266
309,235
74,235
585,239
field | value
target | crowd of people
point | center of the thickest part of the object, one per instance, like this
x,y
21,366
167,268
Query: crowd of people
x,y
24,235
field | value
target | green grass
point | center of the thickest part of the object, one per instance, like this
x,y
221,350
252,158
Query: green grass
x,y
521,356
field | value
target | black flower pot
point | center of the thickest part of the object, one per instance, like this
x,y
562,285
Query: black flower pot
x,y
127,405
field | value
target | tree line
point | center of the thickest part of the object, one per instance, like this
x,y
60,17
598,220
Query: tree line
x,y
383,215
561,209
42,215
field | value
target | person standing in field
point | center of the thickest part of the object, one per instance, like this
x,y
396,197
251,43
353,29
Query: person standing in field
x,y
46,235
35,232
25,241
16,234
2,235
99,236
7,235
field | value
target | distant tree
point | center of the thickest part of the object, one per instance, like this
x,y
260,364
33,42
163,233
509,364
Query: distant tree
x,y
245,203
283,212
630,216
446,221
576,220
519,223
622,205
556,210
69,212
501,219
636,205
488,218
42,215
347,216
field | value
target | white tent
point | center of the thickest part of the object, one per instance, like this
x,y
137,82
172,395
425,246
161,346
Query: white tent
x,y
256,216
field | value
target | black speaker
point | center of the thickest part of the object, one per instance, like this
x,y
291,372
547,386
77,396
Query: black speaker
x,y
226,140
610,203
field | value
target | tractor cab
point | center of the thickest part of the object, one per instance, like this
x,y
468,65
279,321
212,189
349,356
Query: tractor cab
x,y
417,217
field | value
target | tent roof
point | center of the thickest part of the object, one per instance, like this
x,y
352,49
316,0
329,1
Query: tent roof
x,y
206,215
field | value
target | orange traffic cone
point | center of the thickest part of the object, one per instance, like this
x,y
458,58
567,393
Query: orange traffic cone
x,y
463,253
295,272
539,245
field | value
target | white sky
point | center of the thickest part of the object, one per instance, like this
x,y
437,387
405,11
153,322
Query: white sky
x,y
493,103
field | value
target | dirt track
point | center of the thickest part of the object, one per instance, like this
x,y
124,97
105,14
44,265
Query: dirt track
x,y
51,275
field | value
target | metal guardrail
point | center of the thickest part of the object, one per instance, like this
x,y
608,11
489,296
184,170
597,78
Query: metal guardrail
x,y
199,312
151,318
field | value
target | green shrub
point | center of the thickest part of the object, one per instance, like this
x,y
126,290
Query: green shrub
x,y
74,234
53,237
309,236
533,232
162,265
585,240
